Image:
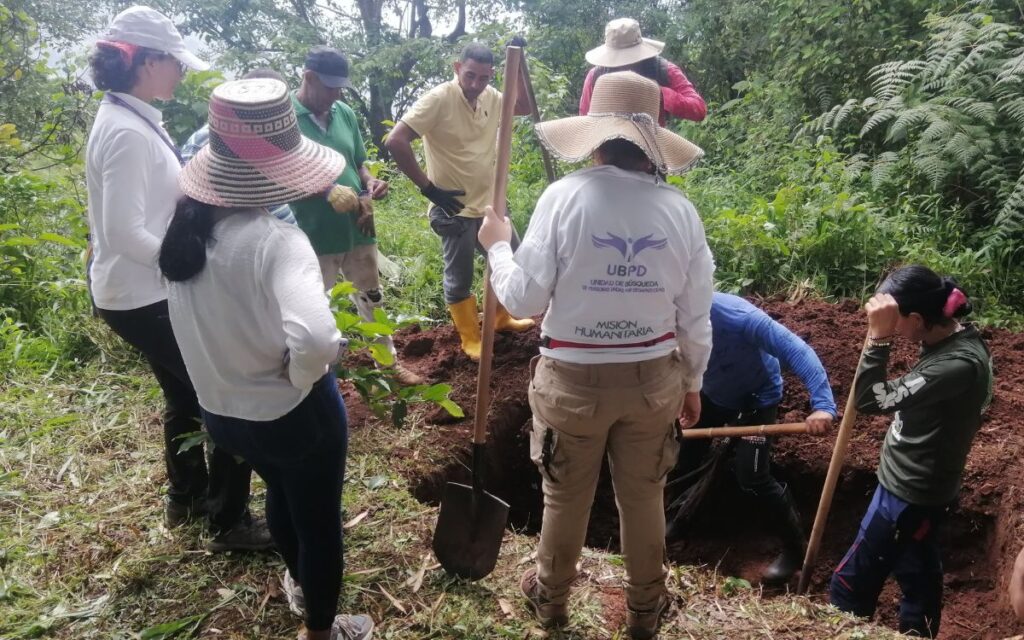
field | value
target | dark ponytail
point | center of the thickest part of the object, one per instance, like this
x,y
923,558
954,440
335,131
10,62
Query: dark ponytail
x,y
183,252
110,70
918,289
655,68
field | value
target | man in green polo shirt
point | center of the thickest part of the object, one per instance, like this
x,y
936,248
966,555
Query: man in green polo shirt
x,y
344,243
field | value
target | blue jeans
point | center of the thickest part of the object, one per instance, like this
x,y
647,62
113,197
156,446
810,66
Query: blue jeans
x,y
897,538
459,244
301,458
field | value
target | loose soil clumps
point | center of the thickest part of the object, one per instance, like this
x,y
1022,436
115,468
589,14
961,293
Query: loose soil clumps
x,y
981,541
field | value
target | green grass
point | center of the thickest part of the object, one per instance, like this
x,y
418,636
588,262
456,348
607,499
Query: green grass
x,y
84,553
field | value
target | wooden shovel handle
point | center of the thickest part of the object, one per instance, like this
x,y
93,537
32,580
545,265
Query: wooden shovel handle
x,y
739,432
835,466
513,58
549,165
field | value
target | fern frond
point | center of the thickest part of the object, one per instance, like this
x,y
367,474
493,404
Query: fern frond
x,y
885,165
910,119
1009,222
876,120
933,167
1013,68
856,165
890,78
1014,110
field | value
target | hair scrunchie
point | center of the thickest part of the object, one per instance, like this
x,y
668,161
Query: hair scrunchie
x,y
126,49
955,300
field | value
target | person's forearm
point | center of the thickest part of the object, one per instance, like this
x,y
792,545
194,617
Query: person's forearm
x,y
365,176
404,157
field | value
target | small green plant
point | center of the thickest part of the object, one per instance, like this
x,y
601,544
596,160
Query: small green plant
x,y
375,380
732,585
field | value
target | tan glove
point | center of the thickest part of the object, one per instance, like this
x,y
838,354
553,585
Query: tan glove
x,y
365,217
343,199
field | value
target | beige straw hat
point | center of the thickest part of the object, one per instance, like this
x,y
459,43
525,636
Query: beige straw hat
x,y
624,105
257,156
623,45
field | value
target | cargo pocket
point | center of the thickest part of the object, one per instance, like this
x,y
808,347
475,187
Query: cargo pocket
x,y
570,412
669,454
543,446
666,401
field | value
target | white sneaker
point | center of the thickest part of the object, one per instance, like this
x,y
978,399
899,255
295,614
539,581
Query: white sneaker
x,y
293,593
357,627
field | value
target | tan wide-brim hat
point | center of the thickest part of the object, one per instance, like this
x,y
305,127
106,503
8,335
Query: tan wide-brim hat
x,y
257,156
624,105
623,45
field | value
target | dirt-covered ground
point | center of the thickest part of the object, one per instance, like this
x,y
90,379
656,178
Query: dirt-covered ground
x,y
981,540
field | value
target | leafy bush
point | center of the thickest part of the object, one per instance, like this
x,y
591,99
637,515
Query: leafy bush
x,y
43,298
953,120
375,380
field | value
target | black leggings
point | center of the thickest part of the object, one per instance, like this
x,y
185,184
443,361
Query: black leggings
x,y
226,487
301,457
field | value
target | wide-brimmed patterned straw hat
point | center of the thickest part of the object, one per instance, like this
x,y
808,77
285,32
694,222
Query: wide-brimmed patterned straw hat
x,y
256,155
624,105
623,45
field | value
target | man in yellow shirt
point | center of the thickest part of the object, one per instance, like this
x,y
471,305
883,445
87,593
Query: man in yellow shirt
x,y
458,121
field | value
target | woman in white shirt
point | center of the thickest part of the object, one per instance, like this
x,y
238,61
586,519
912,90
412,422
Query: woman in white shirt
x,y
248,309
131,173
619,260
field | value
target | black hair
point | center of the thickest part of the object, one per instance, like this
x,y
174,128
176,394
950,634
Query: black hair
x,y
183,251
264,72
111,73
654,68
623,154
918,289
477,52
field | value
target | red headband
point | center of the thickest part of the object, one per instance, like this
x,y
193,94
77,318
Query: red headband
x,y
126,50
955,300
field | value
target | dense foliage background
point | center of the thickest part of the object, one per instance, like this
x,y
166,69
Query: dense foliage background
x,y
842,138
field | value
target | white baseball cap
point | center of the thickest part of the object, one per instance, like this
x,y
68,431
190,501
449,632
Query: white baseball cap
x,y
148,27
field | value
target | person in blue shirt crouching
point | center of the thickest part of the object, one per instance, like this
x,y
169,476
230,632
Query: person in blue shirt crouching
x,y
743,386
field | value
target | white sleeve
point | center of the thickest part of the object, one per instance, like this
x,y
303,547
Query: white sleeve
x,y
693,309
125,185
520,293
293,275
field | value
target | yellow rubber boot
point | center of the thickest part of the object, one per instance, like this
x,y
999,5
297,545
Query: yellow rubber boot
x,y
466,323
503,321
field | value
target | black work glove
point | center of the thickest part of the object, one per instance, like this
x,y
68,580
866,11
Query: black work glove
x,y
517,41
444,198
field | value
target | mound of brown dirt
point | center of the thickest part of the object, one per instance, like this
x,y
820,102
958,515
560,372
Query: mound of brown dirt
x,y
983,537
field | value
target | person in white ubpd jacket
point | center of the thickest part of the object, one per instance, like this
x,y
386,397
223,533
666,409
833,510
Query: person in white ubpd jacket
x,y
619,260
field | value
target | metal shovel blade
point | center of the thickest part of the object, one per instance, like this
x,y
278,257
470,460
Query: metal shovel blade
x,y
469,530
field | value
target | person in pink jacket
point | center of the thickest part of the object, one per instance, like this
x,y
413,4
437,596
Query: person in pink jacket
x,y
625,49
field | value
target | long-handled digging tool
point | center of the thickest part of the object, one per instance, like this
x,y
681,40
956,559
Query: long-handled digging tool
x,y
788,428
549,165
835,466
471,523
697,482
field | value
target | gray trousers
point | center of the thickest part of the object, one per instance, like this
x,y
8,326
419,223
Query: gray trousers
x,y
459,243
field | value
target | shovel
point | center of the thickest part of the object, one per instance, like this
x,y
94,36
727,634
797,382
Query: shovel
x,y
742,432
471,523
835,467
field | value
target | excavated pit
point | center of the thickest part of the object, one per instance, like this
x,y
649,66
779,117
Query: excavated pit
x,y
728,532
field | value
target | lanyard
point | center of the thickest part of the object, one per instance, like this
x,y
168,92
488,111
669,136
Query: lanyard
x,y
163,135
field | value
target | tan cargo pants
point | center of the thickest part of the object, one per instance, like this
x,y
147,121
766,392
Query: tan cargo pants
x,y
579,413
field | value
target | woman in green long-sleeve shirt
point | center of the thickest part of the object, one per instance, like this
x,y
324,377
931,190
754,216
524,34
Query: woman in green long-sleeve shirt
x,y
936,409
